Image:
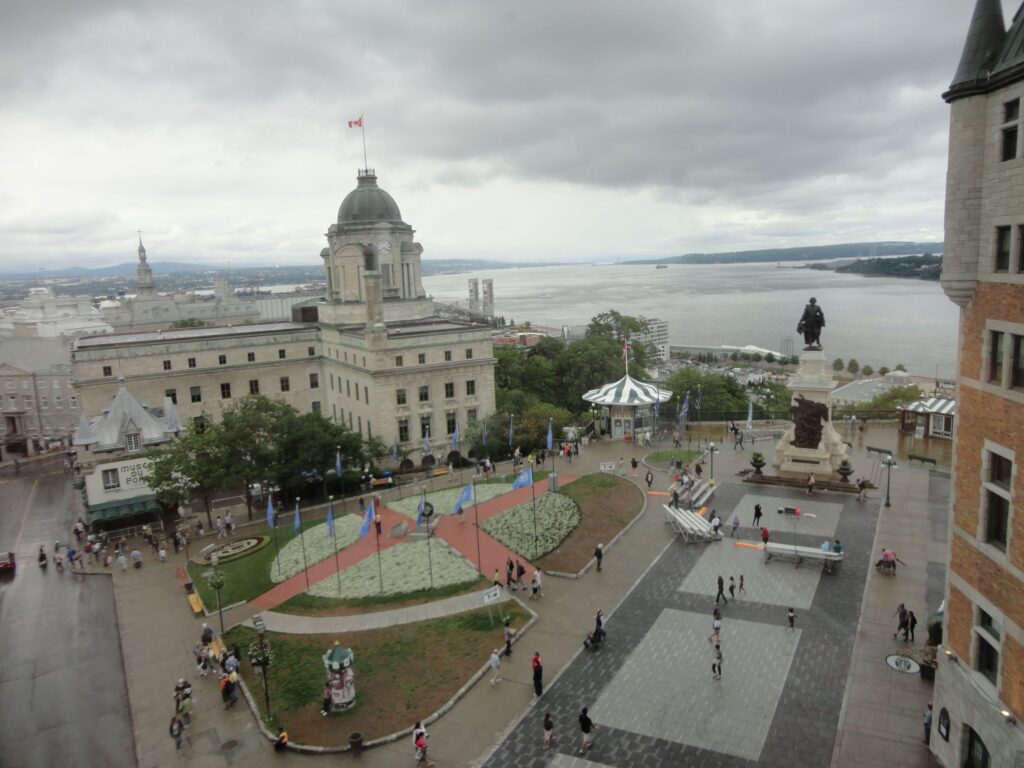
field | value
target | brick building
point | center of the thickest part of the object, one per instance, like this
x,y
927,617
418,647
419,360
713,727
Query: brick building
x,y
979,689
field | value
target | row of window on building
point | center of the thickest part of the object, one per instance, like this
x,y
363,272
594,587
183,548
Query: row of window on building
x,y
1006,359
192,362
26,383
421,358
196,392
401,397
57,421
28,402
427,424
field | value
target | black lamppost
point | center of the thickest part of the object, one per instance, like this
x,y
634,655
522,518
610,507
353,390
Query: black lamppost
x,y
261,630
889,463
712,450
217,584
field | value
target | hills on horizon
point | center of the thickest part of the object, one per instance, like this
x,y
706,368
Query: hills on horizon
x,y
439,266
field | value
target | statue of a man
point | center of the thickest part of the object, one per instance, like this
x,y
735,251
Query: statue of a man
x,y
811,323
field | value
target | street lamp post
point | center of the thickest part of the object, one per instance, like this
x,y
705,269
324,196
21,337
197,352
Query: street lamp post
x,y
261,630
217,583
889,463
712,451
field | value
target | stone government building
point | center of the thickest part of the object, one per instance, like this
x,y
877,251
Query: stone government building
x,y
370,354
979,684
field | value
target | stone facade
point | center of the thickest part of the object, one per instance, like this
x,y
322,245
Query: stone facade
x,y
980,680
37,403
368,354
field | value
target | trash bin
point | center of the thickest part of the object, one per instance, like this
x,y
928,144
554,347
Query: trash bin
x,y
355,743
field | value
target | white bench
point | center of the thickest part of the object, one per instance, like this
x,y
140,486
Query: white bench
x,y
701,492
799,555
691,526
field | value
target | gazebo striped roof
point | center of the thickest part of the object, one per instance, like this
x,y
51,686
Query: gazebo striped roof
x,y
941,405
627,391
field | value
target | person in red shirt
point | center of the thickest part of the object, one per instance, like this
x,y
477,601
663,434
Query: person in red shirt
x,y
538,673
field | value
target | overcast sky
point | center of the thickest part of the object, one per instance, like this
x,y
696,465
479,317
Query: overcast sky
x,y
521,130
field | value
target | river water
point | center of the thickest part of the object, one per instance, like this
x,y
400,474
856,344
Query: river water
x,y
878,320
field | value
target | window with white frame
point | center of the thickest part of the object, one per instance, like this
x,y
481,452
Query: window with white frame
x,y
111,479
996,498
987,644
132,442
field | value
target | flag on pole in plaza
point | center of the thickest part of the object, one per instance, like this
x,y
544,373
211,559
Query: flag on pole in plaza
x,y
298,524
419,511
524,479
483,437
750,414
455,437
657,409
330,519
684,408
337,464
367,519
426,443
357,123
394,452
270,511
550,436
464,498
510,433
696,401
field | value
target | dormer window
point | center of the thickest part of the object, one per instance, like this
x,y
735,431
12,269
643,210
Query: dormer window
x,y
132,442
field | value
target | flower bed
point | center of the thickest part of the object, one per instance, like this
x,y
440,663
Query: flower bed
x,y
406,567
443,500
557,516
319,546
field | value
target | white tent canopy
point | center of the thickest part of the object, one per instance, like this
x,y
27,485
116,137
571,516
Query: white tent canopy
x,y
627,391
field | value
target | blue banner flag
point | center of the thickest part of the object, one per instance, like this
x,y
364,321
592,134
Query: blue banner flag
x,y
510,432
483,437
657,409
330,520
337,464
270,511
685,409
419,511
550,436
394,452
465,497
367,519
696,402
524,479
297,522
455,436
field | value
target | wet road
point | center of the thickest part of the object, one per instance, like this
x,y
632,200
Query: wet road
x,y
63,699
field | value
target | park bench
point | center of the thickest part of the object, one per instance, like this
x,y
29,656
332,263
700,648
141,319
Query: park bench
x,y
190,593
799,555
691,526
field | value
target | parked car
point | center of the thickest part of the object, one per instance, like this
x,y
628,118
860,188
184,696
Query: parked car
x,y
7,564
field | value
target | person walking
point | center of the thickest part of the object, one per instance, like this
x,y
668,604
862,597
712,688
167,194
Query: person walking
x,y
901,619
926,721
716,627
716,524
520,573
742,588
536,592
716,663
908,632
281,742
495,663
791,618
586,729
325,704
765,536
538,674
735,525
757,515
220,528
599,555
507,635
698,470
721,591
510,570
732,587
549,727
176,729
421,753
649,479
184,709
674,503
810,484
633,464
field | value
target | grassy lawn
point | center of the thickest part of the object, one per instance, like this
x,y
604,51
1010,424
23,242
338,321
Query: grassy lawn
x,y
607,504
663,457
246,577
402,673
312,605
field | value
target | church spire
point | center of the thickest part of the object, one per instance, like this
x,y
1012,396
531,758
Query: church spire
x,y
144,283
984,42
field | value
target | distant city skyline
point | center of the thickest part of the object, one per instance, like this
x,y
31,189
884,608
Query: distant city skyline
x,y
510,131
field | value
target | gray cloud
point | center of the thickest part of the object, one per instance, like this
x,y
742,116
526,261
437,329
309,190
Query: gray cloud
x,y
224,124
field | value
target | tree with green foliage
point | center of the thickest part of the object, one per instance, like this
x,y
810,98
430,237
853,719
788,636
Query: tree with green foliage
x,y
867,370
890,400
719,393
189,322
587,364
769,358
853,366
612,324
794,360
838,364
193,465
882,371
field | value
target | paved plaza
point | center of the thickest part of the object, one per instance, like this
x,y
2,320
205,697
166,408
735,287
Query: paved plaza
x,y
650,689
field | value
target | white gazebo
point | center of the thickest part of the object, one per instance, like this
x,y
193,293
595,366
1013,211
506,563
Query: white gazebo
x,y
627,408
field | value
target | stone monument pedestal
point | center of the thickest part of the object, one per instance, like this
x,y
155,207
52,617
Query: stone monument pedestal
x,y
813,382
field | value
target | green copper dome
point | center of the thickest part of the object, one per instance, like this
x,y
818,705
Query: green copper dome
x,y
368,203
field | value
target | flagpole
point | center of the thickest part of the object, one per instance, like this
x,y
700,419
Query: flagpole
x,y
380,565
302,540
533,498
476,512
334,544
430,562
277,547
362,129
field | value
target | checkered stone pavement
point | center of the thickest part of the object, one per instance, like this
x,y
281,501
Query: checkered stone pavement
x,y
649,688
817,516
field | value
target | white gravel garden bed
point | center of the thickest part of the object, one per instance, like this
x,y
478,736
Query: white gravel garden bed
x,y
319,546
557,517
444,499
406,569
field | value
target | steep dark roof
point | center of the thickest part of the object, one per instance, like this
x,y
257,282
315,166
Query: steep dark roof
x,y
993,56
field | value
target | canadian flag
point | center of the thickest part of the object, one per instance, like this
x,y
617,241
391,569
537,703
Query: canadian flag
x,y
357,123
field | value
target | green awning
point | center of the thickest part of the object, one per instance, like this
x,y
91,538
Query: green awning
x,y
114,510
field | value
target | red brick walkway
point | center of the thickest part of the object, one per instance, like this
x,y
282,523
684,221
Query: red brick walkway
x,y
460,535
